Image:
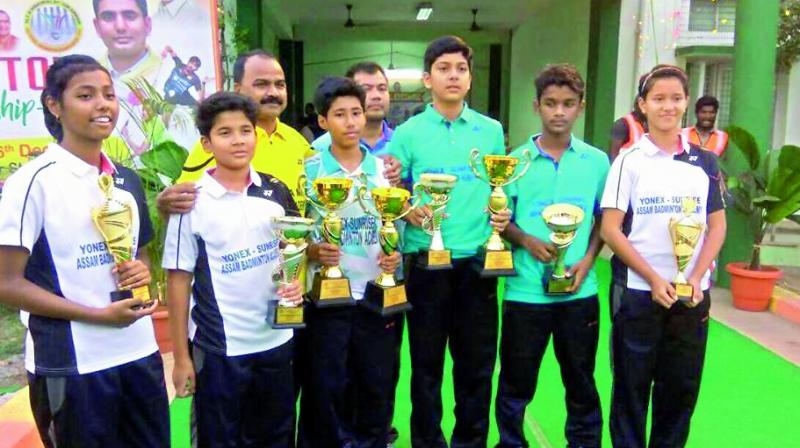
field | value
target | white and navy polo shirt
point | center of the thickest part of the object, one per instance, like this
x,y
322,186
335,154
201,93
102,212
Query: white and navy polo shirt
x,y
360,230
228,242
47,209
649,185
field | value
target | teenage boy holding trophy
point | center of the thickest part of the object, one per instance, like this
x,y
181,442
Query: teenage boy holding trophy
x,y
224,253
555,235
346,398
452,303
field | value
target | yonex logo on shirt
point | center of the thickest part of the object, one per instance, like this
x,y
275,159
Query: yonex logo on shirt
x,y
268,193
662,204
242,260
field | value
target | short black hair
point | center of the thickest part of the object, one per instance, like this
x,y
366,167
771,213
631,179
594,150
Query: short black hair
x,y
334,87
196,60
58,76
663,71
142,4
706,100
559,75
446,45
369,67
238,66
211,107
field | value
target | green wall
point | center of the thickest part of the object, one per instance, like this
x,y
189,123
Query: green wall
x,y
330,50
558,31
601,76
249,16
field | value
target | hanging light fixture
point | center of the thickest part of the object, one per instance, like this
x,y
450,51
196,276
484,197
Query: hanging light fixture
x,y
424,11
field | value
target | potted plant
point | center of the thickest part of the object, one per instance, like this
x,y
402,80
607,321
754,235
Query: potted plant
x,y
158,165
768,192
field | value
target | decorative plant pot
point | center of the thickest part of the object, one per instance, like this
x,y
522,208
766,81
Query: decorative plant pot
x,y
752,290
161,328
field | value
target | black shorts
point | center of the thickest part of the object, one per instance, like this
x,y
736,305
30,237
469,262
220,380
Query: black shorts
x,y
123,406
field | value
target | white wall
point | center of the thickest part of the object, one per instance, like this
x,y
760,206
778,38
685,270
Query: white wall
x,y
787,108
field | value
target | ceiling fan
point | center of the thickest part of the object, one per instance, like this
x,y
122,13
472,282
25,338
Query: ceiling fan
x,y
350,23
475,26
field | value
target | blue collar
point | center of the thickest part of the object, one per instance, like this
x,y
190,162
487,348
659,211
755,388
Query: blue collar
x,y
435,116
331,165
541,153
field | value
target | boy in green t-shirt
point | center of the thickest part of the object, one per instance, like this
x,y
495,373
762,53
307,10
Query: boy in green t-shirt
x,y
565,170
451,306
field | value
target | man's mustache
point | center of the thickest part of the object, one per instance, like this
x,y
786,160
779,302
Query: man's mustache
x,y
271,100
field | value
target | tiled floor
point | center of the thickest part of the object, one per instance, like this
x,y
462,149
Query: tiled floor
x,y
766,329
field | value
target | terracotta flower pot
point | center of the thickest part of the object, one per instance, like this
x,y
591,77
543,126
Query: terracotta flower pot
x,y
161,328
752,290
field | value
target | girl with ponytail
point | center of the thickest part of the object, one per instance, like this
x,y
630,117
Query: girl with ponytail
x,y
662,199
95,376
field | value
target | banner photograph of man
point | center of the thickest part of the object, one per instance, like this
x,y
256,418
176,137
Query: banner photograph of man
x,y
8,41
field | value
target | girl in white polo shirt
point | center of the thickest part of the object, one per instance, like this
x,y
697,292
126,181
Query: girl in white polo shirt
x,y
658,340
95,375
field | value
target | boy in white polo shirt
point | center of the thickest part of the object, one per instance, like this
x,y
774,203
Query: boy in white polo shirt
x,y
95,375
224,253
346,400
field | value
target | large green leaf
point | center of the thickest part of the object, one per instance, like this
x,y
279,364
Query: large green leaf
x,y
166,159
785,184
747,147
150,180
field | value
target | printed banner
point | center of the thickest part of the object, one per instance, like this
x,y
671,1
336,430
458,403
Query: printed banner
x,y
163,56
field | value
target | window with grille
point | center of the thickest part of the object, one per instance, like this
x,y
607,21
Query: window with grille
x,y
712,16
717,82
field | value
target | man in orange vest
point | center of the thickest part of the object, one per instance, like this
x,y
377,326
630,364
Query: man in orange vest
x,y
627,131
630,128
703,133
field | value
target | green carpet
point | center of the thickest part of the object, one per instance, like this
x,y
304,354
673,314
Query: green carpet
x,y
749,398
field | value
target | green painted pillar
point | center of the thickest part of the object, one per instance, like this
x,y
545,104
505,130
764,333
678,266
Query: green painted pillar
x,y
248,15
751,103
601,76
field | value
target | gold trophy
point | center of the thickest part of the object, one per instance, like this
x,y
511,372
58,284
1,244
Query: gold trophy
x,y
292,232
114,220
563,220
330,286
386,295
438,187
685,232
500,170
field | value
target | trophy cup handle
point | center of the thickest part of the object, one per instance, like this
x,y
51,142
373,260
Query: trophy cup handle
x,y
473,163
427,223
526,160
363,200
317,205
416,199
353,194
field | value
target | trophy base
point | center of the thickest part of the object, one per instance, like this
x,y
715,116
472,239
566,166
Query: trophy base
x,y
327,292
684,291
142,293
554,286
385,301
284,317
497,263
434,260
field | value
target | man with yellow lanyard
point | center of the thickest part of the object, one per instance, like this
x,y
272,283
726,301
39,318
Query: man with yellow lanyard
x,y
280,150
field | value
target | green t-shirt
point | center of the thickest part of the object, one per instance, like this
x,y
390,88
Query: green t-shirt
x,y
429,143
578,179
